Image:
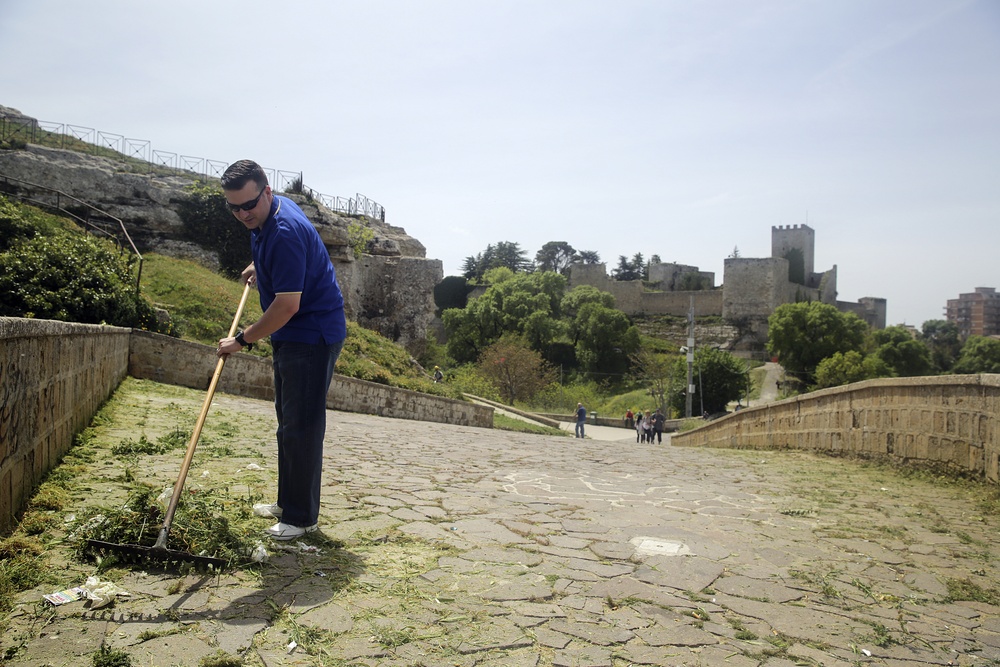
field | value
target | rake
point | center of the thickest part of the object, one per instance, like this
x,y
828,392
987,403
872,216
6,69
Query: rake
x,y
159,551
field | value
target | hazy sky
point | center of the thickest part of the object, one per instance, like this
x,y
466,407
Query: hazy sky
x,y
669,127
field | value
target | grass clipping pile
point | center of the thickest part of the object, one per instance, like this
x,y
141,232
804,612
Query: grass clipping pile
x,y
115,484
214,517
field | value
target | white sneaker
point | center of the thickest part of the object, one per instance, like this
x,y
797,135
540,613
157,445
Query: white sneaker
x,y
285,531
267,511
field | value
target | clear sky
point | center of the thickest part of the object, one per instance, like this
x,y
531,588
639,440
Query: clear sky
x,y
670,127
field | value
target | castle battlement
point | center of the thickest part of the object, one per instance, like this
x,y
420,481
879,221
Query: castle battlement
x,y
802,227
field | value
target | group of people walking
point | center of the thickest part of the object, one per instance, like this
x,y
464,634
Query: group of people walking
x,y
647,426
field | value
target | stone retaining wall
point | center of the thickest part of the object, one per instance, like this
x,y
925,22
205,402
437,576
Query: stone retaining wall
x,y
948,421
54,378
172,361
56,375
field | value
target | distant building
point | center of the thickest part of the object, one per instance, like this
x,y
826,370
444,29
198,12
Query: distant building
x,y
976,313
753,287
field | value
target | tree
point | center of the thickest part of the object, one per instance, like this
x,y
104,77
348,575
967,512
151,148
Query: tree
x,y
979,355
497,275
470,268
719,378
847,367
803,334
542,331
504,253
605,339
535,307
639,265
584,294
555,256
626,269
736,252
655,372
901,353
451,292
943,340
518,371
517,303
467,334
589,257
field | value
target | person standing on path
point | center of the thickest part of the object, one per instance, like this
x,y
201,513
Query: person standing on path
x,y
581,419
304,316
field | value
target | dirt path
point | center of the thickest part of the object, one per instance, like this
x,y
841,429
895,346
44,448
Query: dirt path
x,y
769,388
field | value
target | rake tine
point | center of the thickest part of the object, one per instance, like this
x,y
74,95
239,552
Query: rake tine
x,y
134,553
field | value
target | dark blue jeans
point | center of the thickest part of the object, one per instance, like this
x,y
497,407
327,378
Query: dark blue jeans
x,y
302,375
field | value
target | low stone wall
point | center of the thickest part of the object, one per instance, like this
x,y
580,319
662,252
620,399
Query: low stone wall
x,y
54,378
949,421
172,361
534,416
56,375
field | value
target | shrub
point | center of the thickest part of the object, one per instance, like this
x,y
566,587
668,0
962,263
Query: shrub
x,y
73,278
563,398
13,227
467,379
359,237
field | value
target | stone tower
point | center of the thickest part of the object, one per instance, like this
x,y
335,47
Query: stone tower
x,y
797,244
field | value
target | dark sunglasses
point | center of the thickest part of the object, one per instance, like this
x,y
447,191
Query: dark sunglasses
x,y
247,206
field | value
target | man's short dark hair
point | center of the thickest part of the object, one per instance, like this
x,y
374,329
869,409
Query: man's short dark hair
x,y
242,172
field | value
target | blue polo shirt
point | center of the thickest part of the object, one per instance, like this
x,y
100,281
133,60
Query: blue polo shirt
x,y
290,257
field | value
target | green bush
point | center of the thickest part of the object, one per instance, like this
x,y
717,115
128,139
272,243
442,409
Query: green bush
x,y
467,379
563,398
637,400
73,278
13,226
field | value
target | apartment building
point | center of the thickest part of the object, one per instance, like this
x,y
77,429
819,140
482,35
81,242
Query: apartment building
x,y
976,313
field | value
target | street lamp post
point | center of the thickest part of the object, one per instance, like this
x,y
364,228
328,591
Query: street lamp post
x,y
690,361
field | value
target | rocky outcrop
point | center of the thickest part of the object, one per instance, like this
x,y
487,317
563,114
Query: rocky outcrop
x,y
389,290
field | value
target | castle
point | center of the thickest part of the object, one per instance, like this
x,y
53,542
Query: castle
x,y
752,287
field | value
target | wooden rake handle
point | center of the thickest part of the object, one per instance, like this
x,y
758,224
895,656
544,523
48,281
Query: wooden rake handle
x,y
161,542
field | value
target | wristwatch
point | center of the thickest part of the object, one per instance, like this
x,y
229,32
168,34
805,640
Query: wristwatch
x,y
243,343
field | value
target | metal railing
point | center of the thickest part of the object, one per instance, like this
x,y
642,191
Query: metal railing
x,y
93,219
140,155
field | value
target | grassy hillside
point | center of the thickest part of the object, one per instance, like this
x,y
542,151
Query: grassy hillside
x,y
202,304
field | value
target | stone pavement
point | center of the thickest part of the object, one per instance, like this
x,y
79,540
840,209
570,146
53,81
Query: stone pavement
x,y
444,545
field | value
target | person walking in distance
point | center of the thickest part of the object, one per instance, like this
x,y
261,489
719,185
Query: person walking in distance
x,y
658,419
581,419
304,316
